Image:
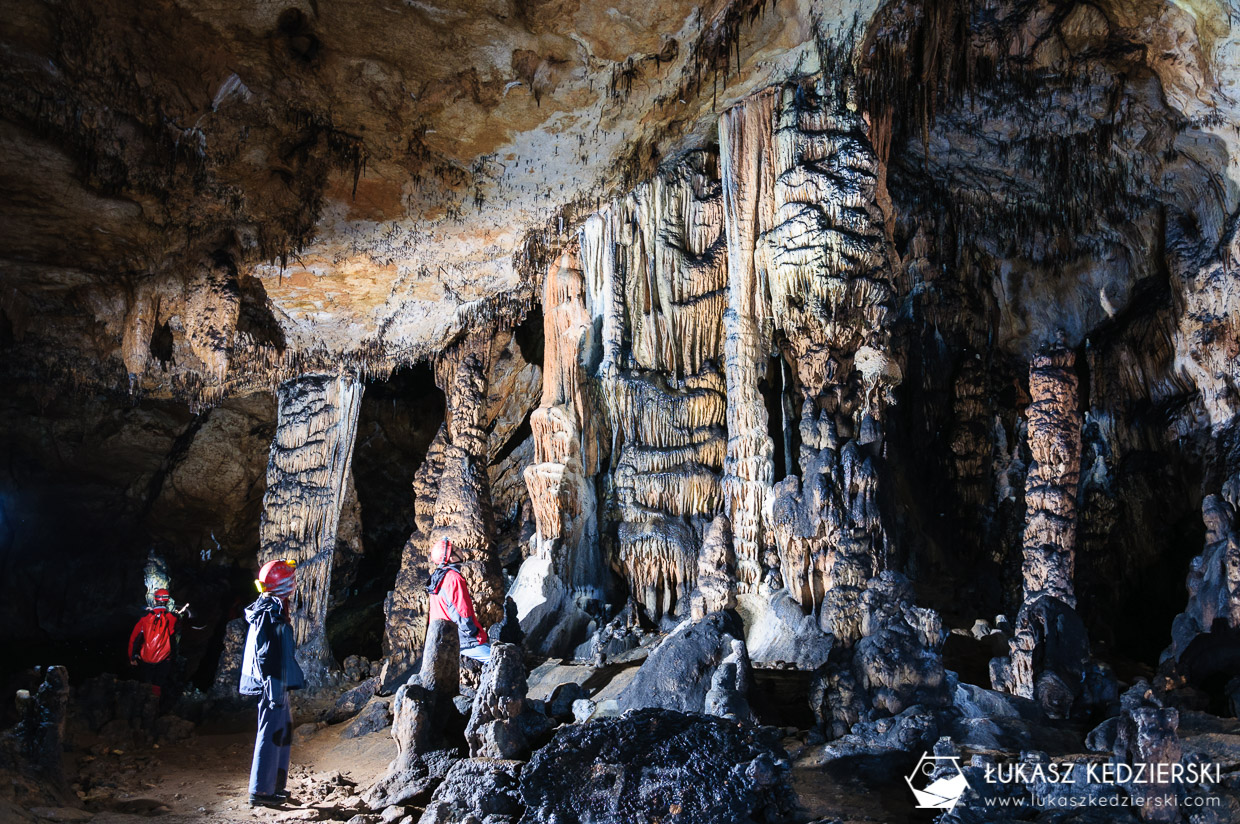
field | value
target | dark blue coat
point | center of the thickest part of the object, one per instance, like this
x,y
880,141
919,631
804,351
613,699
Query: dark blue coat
x,y
269,666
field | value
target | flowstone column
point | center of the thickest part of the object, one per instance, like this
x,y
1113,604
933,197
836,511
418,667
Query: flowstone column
x,y
1050,488
453,501
831,290
307,478
664,389
746,160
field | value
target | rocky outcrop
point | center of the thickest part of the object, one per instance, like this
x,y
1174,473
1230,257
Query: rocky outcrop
x,y
483,788
894,666
657,764
680,672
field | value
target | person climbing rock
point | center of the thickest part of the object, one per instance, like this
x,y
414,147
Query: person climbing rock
x,y
450,601
270,670
153,647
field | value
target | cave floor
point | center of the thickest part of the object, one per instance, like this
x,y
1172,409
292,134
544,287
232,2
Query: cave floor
x,y
204,779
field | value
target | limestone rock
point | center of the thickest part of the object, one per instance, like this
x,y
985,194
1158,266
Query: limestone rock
x,y
678,673
485,788
504,724
895,665
638,767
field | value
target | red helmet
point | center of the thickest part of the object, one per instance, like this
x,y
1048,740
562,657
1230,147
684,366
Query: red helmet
x,y
162,597
277,577
441,551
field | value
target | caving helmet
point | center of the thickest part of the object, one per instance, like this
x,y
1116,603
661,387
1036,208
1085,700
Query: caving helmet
x,y
277,577
162,597
441,551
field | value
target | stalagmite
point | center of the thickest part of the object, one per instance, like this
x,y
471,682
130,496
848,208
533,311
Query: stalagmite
x,y
306,484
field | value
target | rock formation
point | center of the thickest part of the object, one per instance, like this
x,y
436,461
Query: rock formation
x,y
564,574
307,479
635,768
453,501
503,724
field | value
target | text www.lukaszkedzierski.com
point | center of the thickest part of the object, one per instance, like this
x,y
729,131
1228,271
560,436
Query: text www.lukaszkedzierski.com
x,y
1104,801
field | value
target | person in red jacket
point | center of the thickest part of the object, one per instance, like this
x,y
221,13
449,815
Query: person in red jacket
x,y
450,601
153,646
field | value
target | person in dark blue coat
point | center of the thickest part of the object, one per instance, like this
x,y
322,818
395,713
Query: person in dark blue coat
x,y
270,670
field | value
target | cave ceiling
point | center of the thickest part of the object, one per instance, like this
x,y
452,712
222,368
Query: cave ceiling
x,y
202,199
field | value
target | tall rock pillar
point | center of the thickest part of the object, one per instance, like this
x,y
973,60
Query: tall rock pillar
x,y
747,168
1050,647
1050,488
565,570
307,479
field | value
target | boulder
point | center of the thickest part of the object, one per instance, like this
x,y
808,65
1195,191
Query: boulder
x,y
350,703
677,674
413,782
377,715
485,788
657,765
777,629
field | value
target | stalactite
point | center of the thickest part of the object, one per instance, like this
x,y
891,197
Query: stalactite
x,y
139,325
306,484
212,303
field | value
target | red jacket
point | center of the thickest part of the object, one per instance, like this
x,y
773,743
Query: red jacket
x,y
450,601
154,636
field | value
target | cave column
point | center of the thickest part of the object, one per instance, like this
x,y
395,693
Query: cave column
x,y
307,479
746,159
1054,437
453,501
1048,629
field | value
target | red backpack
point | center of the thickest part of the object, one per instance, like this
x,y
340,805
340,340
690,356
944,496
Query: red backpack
x,y
157,630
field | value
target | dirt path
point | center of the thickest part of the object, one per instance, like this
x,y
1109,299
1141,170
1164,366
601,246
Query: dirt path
x,y
204,779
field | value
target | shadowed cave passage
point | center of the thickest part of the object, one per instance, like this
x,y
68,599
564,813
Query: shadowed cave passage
x,y
398,419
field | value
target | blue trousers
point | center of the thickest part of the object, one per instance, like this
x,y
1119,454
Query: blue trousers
x,y
272,747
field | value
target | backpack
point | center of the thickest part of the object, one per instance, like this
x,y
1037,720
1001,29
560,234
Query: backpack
x,y
157,631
